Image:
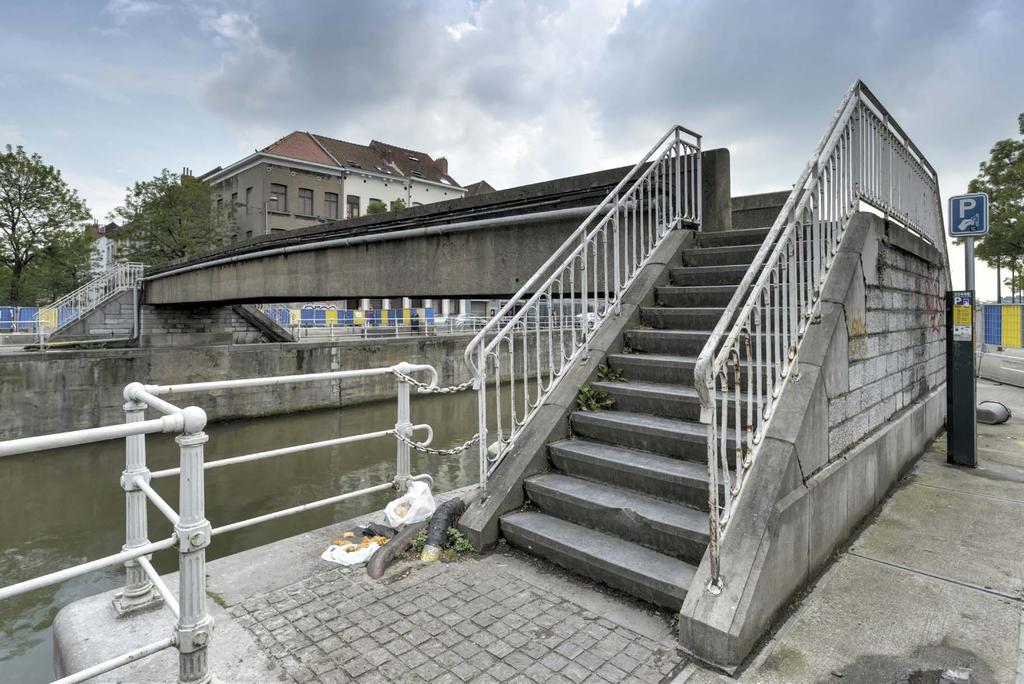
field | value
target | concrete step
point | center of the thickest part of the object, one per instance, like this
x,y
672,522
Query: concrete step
x,y
694,295
720,238
654,367
669,528
655,398
730,274
667,436
715,256
681,318
685,482
641,572
682,342
661,368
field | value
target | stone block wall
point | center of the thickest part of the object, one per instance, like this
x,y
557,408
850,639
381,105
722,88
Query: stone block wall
x,y
169,326
895,325
114,318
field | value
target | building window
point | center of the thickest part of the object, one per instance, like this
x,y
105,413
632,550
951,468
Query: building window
x,y
234,203
305,201
248,200
331,204
278,197
353,206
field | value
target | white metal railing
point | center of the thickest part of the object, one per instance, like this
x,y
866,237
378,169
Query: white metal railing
x,y
74,305
547,325
192,532
864,156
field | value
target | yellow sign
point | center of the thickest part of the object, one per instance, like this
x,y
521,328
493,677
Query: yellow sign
x,y
962,316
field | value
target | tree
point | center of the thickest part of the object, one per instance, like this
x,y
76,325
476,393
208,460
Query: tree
x,y
1002,179
376,207
170,217
397,205
37,211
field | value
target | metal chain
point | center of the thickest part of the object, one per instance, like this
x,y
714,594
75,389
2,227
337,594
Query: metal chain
x,y
429,388
438,452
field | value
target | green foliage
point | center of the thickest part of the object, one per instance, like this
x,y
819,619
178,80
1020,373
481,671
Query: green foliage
x,y
376,207
43,246
419,541
170,217
610,374
398,204
626,349
590,399
458,542
1002,178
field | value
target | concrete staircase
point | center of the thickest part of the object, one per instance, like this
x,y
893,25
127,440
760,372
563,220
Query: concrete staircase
x,y
625,499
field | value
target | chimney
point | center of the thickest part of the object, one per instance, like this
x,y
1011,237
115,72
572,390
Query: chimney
x,y
186,172
442,165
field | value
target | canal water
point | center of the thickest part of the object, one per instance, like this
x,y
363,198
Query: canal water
x,y
62,508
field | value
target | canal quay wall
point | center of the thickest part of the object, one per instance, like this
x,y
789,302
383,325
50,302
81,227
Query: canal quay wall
x,y
56,391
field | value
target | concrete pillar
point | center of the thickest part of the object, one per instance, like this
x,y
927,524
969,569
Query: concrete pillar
x,y
716,191
364,303
428,303
446,307
406,303
385,303
464,306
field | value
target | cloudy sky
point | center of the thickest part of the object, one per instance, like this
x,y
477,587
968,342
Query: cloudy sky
x,y
512,92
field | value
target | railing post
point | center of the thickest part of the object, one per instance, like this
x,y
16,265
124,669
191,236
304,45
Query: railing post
x,y
193,532
138,593
615,257
403,427
481,402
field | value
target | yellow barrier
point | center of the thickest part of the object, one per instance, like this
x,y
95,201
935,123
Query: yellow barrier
x,y
1011,325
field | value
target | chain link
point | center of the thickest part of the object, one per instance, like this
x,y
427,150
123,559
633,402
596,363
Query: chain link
x,y
429,388
438,452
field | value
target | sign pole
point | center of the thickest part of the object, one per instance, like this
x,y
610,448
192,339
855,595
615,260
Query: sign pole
x,y
969,263
968,219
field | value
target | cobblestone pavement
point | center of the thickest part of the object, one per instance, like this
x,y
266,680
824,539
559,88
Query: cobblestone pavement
x,y
498,618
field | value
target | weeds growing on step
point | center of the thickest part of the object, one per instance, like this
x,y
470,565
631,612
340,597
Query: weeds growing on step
x,y
610,374
590,399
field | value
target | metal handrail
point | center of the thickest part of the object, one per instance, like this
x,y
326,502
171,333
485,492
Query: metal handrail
x,y
863,156
77,303
192,531
559,309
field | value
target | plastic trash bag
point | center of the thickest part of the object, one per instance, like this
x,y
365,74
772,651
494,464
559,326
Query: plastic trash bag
x,y
341,555
416,505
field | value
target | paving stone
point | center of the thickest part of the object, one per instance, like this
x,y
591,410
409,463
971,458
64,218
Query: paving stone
x,y
455,622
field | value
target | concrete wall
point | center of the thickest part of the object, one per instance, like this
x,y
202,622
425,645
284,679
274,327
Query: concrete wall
x,y
113,318
869,398
69,390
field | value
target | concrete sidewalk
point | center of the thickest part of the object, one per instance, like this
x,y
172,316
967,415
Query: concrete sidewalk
x,y
935,580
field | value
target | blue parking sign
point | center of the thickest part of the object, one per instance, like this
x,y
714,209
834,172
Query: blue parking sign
x,y
968,215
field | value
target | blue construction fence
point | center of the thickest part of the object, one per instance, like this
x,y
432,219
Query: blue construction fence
x,y
18,318
323,317
1004,325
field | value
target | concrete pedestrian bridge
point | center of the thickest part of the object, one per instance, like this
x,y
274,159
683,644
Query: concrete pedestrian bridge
x,y
482,246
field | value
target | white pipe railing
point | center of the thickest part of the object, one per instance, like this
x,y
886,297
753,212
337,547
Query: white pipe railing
x,y
547,325
192,531
74,305
864,156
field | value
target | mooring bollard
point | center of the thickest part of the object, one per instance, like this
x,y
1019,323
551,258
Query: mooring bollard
x,y
138,593
193,532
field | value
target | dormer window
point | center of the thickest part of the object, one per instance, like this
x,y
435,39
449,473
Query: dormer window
x,y
412,158
417,174
353,164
